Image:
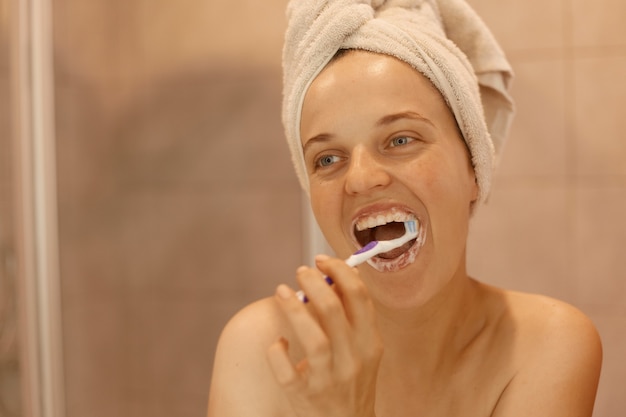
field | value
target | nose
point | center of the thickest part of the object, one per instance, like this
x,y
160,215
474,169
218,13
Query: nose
x,y
365,172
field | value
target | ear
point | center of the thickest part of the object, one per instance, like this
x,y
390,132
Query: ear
x,y
474,196
474,190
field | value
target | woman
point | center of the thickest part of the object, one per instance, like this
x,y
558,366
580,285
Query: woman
x,y
384,129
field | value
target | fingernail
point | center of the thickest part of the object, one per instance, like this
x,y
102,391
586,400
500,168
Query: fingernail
x,y
321,258
283,292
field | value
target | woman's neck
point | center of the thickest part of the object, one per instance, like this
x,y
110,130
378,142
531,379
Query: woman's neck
x,y
437,332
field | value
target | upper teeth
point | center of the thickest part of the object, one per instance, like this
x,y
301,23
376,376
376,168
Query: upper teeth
x,y
382,219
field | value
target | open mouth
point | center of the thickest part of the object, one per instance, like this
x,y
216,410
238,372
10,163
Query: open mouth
x,y
387,226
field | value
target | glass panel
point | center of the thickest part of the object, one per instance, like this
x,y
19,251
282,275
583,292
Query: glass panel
x,y
9,355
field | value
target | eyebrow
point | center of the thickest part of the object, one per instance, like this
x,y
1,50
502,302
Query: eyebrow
x,y
322,137
383,121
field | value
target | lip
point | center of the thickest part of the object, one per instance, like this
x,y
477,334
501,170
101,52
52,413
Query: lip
x,y
403,212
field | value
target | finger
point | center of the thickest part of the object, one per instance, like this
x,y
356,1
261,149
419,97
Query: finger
x,y
306,328
359,308
329,311
282,367
350,287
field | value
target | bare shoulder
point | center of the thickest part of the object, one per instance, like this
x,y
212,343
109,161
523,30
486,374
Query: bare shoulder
x,y
558,358
551,323
242,383
256,322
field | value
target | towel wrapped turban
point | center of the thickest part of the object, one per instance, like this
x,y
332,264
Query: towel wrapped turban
x,y
445,40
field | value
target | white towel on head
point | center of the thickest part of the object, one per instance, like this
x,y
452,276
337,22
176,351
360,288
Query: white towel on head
x,y
445,40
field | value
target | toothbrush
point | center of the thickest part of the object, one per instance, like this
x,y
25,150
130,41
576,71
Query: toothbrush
x,y
375,247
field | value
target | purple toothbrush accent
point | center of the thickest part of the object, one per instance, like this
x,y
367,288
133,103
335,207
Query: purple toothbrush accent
x,y
367,247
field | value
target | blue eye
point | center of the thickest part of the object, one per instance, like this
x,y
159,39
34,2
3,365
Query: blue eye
x,y
327,160
401,140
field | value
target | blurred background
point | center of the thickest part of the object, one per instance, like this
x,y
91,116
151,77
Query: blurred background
x,y
174,203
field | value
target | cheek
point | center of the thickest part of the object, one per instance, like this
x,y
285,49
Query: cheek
x,y
426,177
445,181
317,199
325,206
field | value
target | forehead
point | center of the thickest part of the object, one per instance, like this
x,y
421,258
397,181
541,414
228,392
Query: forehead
x,y
369,85
384,70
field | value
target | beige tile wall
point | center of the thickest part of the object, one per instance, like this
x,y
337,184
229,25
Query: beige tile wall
x,y
555,223
178,204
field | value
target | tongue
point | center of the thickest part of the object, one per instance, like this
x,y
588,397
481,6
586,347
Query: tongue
x,y
388,232
394,253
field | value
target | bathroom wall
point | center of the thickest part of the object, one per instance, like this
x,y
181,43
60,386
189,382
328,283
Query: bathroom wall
x,y
554,224
178,205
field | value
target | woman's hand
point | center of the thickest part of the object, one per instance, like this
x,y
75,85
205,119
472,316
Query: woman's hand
x,y
342,347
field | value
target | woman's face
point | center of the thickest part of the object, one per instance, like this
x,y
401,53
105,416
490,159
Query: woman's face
x,y
381,146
